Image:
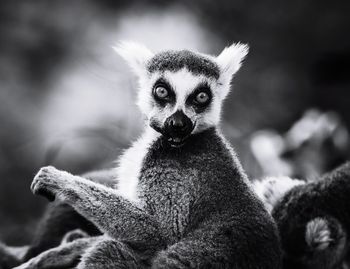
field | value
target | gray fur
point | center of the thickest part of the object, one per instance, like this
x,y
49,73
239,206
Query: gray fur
x,y
198,211
111,213
111,254
66,255
74,235
326,198
176,60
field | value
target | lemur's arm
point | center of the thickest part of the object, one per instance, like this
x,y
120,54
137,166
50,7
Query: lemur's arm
x,y
60,218
103,206
244,241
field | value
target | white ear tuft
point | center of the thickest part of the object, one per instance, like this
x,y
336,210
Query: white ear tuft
x,y
230,60
136,55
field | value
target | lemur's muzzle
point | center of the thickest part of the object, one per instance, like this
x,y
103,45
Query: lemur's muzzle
x,y
178,127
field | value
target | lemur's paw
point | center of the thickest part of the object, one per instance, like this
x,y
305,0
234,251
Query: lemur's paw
x,y
47,182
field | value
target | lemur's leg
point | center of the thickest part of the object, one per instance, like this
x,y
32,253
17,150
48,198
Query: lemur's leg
x,y
60,218
103,206
66,255
111,254
220,244
195,252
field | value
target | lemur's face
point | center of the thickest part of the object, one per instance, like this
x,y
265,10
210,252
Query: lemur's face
x,y
181,92
180,103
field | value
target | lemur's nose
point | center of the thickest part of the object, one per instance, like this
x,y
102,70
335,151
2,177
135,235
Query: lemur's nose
x,y
179,124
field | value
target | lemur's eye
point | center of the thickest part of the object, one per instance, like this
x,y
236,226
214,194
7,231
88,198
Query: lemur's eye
x,y
161,92
202,98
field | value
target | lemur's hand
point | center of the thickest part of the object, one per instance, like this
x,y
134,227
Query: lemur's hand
x,y
49,182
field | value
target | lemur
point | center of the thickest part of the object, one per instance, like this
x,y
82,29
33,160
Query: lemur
x,y
182,199
313,218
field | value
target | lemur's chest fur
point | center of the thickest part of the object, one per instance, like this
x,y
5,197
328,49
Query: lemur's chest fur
x,y
177,183
167,189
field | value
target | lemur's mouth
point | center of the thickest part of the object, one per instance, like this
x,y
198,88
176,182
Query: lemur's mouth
x,y
176,129
177,141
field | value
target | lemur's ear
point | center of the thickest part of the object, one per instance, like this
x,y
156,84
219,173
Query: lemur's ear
x,y
136,55
230,60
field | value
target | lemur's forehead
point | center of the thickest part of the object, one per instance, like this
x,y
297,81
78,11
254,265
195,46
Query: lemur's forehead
x,y
176,60
183,82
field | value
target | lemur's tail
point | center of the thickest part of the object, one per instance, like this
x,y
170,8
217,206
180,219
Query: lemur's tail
x,y
10,256
325,236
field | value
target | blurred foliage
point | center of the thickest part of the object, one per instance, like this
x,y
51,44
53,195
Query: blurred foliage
x,y
58,81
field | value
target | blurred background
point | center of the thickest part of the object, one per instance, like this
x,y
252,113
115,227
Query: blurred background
x,y
68,100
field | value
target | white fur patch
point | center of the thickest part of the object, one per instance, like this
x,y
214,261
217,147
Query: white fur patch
x,y
183,82
136,55
230,60
130,164
270,190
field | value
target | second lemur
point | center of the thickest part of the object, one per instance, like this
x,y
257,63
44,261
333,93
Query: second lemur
x,y
182,199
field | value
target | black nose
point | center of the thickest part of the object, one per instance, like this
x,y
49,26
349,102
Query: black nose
x,y
178,125
177,122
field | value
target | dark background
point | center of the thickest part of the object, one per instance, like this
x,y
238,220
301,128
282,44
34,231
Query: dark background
x,y
68,100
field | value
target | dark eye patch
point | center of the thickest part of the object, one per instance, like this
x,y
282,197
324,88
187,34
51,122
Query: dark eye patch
x,y
169,99
191,99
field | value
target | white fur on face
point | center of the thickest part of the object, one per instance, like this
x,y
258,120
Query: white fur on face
x,y
183,82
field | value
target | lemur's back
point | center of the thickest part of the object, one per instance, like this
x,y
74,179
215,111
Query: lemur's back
x,y
329,196
183,186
